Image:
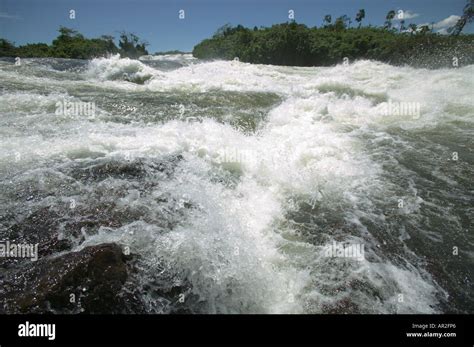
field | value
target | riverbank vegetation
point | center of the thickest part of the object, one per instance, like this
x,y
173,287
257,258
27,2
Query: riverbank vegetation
x,y
72,44
296,44
342,39
396,42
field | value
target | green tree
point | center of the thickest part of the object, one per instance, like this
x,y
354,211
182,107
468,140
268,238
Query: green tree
x,y
341,23
359,16
388,19
131,46
34,50
402,25
327,19
7,49
413,27
296,44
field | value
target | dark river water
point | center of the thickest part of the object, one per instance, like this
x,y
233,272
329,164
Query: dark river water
x,y
234,182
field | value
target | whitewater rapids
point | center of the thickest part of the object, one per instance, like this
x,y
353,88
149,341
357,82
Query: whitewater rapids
x,y
315,160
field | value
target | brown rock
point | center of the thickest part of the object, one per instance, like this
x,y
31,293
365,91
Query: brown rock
x,y
93,277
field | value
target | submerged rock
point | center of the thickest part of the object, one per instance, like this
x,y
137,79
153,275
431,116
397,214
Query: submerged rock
x,y
88,281
39,227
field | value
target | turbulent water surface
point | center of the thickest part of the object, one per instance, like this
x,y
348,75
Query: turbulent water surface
x,y
227,180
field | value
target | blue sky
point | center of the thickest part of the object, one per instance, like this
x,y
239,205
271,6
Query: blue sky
x,y
156,21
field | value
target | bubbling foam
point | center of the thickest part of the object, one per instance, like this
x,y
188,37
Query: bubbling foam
x,y
241,223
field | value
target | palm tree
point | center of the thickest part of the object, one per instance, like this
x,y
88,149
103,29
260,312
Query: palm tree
x,y
359,16
389,18
344,20
402,25
327,19
467,17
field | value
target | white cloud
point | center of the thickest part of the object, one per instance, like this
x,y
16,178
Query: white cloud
x,y
409,15
447,22
443,25
405,14
5,15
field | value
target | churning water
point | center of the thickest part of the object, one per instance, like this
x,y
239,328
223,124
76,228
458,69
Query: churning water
x,y
229,181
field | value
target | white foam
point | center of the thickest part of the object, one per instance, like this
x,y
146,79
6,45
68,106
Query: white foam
x,y
116,68
309,145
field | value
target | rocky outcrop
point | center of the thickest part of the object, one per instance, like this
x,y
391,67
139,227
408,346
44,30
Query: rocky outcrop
x,y
88,281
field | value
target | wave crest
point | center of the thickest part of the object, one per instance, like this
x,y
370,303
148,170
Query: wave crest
x,y
116,68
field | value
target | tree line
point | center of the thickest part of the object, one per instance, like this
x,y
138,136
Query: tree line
x,y
297,44
72,44
288,43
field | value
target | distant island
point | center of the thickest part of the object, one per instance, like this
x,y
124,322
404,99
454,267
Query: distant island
x,y
335,42
171,52
288,43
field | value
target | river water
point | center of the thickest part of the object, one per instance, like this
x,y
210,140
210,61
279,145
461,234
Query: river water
x,y
228,181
